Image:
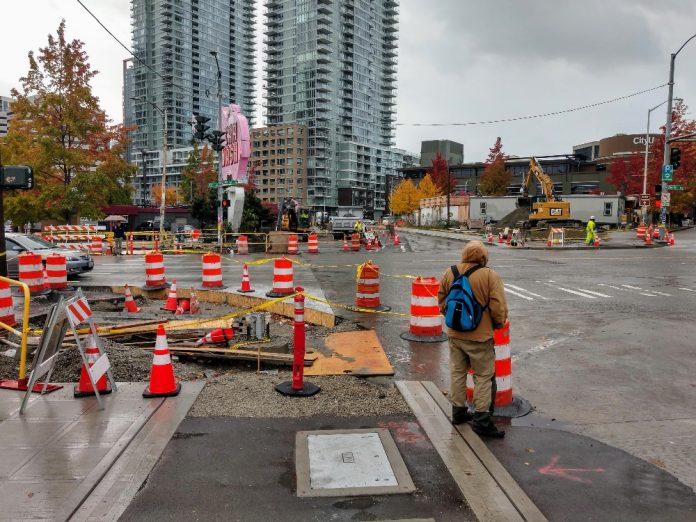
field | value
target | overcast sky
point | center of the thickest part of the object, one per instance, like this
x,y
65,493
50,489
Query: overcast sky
x,y
459,61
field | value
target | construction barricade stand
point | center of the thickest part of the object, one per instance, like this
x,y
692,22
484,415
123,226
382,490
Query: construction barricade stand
x,y
425,325
556,237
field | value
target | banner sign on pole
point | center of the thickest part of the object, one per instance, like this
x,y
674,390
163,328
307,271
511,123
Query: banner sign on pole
x,y
237,150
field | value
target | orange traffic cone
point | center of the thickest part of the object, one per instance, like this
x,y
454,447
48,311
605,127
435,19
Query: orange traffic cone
x,y
596,241
130,305
345,244
672,242
84,387
246,283
194,305
183,307
500,238
172,302
221,335
397,239
162,381
368,245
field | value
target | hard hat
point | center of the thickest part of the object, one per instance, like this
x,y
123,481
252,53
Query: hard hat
x,y
592,218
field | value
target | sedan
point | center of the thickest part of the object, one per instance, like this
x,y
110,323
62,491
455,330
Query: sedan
x,y
76,262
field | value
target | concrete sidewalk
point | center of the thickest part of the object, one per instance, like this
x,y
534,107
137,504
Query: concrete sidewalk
x,y
59,456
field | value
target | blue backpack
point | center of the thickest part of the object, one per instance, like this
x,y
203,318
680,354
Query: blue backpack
x,y
462,311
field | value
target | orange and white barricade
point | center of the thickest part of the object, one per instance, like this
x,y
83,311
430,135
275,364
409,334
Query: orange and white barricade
x,y
313,244
154,271
367,287
56,272
96,246
212,270
282,278
640,231
426,321
7,315
355,242
31,271
293,247
242,245
84,388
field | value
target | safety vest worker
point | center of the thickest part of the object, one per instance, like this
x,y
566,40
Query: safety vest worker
x,y
590,228
358,226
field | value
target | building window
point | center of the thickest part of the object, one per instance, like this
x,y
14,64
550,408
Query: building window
x,y
483,208
608,208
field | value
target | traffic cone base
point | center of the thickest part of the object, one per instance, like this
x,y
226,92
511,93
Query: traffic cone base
x,y
147,394
84,387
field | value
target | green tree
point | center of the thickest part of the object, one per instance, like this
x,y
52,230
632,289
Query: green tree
x,y
60,130
254,213
198,173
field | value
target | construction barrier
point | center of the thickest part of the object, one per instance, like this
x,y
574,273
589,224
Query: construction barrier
x,y
367,287
154,271
282,278
31,271
355,242
242,245
95,247
56,272
313,244
7,315
640,231
556,237
84,388
426,321
293,247
298,387
506,405
212,270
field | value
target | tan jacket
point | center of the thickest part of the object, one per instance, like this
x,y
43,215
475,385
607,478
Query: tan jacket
x,y
488,290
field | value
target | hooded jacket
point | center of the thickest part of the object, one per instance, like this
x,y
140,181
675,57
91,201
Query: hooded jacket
x,y
488,291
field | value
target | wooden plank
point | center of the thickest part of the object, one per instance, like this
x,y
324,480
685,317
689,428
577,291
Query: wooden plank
x,y
509,485
244,355
486,499
353,353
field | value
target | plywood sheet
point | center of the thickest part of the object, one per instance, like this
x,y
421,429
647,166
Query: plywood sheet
x,y
351,353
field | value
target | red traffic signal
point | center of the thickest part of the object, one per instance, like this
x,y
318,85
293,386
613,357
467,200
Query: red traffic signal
x,y
225,201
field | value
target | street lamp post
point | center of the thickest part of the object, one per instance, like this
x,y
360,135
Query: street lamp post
x,y
668,134
647,150
219,126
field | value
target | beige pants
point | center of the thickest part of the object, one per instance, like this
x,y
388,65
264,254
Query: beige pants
x,y
481,358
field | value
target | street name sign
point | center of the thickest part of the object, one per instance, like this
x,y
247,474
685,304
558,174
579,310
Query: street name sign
x,y
675,187
224,183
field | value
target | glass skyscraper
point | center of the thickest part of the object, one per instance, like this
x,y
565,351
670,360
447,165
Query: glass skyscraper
x,y
331,65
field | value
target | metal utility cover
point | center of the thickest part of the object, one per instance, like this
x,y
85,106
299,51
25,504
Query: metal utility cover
x,y
337,463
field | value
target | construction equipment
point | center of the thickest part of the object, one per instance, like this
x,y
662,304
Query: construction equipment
x,y
547,209
293,217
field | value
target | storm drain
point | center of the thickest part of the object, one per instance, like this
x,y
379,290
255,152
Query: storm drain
x,y
337,463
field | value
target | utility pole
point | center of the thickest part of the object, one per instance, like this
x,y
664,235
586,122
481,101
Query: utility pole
x,y
143,183
647,152
3,252
163,188
219,127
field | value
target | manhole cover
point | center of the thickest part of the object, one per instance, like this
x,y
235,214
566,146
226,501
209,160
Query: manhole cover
x,y
349,463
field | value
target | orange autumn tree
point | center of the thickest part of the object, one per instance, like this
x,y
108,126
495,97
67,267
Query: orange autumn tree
x,y
171,195
405,198
427,188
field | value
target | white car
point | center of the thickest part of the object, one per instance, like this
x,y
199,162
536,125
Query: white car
x,y
75,262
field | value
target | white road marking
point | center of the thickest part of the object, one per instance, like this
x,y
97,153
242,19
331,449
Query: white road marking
x,y
524,290
593,293
641,291
687,289
661,293
612,286
518,294
568,290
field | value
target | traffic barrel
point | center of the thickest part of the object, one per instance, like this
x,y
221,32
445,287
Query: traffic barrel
x,y
246,282
162,381
129,305
282,278
355,242
212,270
154,271
313,244
7,315
640,231
56,271
426,321
367,287
31,271
84,387
172,301
293,248
95,247
242,245
506,404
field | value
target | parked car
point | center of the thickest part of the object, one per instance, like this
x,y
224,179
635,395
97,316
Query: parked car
x,y
75,262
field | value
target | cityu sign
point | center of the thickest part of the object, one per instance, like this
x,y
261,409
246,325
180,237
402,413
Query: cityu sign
x,y
640,140
237,151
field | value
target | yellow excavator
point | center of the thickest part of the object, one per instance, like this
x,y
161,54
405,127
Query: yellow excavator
x,y
548,210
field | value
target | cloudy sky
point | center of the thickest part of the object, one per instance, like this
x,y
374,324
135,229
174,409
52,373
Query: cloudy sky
x,y
460,61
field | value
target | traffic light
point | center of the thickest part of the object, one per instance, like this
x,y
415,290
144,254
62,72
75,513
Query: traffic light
x,y
200,127
225,201
675,157
217,140
658,191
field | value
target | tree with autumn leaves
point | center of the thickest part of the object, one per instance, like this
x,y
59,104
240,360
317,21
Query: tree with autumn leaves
x,y
59,129
495,179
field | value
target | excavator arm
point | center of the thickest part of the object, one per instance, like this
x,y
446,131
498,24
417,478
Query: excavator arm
x,y
537,171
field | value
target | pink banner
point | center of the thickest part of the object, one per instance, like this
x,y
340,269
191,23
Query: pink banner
x,y
237,151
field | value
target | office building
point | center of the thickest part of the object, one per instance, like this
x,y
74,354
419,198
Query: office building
x,y
451,151
331,66
175,39
5,115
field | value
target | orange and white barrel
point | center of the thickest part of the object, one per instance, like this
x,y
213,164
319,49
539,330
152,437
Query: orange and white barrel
x,y
31,271
154,269
56,271
503,369
355,242
293,247
426,321
7,315
640,231
282,278
242,245
313,244
367,287
212,270
95,247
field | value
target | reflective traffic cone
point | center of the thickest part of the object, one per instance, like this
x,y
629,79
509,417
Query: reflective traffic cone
x,y
218,336
194,305
130,305
162,381
246,283
397,239
500,238
596,241
368,245
672,242
84,387
345,245
183,307
172,302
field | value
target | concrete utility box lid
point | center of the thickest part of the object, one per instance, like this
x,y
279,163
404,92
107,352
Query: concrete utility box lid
x,y
349,463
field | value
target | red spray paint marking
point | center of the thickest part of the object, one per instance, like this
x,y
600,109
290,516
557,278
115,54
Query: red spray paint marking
x,y
551,469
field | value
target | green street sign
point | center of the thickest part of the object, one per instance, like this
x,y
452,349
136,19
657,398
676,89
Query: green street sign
x,y
225,183
675,187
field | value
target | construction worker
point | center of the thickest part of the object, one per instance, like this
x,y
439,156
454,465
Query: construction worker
x,y
474,348
590,228
358,227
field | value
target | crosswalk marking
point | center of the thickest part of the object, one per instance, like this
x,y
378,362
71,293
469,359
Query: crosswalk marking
x,y
661,293
518,294
598,294
641,291
687,289
524,290
568,290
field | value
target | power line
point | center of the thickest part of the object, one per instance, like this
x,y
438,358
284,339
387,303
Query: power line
x,y
533,116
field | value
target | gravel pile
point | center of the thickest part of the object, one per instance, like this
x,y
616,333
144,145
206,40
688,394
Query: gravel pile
x,y
241,394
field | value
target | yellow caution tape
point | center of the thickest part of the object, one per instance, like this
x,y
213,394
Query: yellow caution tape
x,y
352,308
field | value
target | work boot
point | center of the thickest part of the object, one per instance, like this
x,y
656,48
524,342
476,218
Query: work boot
x,y
483,426
460,415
